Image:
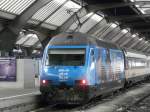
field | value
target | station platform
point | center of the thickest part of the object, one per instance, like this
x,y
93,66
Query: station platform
x,y
17,92
18,100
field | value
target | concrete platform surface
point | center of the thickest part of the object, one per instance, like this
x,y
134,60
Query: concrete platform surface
x,y
18,100
12,93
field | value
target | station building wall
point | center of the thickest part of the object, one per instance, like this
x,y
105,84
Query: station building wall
x,y
25,73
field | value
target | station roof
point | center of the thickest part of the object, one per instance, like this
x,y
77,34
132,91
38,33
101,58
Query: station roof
x,y
124,22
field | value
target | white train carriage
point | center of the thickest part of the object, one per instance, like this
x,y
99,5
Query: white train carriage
x,y
137,67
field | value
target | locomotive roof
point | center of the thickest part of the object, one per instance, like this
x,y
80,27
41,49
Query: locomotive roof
x,y
77,38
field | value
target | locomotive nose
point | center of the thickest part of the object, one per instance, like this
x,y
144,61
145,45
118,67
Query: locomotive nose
x,y
71,76
65,75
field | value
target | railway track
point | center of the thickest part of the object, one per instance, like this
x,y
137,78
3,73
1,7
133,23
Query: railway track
x,y
101,101
134,105
110,97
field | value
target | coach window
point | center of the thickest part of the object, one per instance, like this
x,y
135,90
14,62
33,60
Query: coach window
x,y
133,63
129,63
148,63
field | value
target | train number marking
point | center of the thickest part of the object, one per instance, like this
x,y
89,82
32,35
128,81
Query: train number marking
x,y
63,75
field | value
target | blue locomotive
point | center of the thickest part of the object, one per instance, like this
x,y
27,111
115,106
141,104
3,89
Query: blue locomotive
x,y
78,67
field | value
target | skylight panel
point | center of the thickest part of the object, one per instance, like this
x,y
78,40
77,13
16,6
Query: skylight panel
x,y
82,19
60,16
15,6
22,40
48,9
32,40
124,31
113,25
144,8
90,23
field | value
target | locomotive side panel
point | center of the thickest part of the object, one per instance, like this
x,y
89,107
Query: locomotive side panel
x,y
117,67
110,69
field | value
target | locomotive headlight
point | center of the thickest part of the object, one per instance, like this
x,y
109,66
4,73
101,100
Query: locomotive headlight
x,y
83,81
43,81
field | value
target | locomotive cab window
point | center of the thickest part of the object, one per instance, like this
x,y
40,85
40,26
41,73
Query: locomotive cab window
x,y
66,57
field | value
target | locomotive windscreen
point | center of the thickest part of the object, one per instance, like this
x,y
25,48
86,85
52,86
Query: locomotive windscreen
x,y
66,57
